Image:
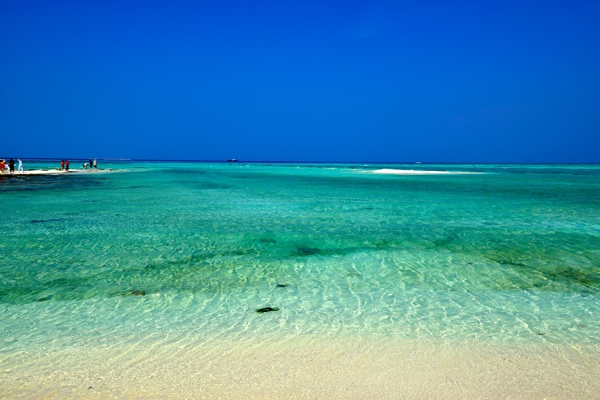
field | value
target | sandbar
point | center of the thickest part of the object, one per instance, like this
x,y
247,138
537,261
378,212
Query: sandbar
x,y
58,172
389,171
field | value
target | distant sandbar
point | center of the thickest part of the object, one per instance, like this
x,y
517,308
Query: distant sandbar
x,y
415,172
58,172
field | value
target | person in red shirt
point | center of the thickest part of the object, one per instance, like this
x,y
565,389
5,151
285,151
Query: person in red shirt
x,y
67,165
62,164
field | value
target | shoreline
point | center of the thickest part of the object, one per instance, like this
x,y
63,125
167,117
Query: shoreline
x,y
303,366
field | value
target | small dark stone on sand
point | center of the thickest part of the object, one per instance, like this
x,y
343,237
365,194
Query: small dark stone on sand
x,y
282,285
266,309
138,293
541,333
90,387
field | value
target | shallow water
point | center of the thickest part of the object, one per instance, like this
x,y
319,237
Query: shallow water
x,y
174,250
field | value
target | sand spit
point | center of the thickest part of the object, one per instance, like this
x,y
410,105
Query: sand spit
x,y
59,172
304,368
388,171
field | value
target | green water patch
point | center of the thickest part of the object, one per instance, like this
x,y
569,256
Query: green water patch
x,y
203,185
65,280
135,293
307,251
584,277
49,220
181,172
223,270
63,288
559,278
546,267
45,184
446,241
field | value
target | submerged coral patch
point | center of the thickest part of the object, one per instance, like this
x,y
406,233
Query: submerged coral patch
x,y
307,251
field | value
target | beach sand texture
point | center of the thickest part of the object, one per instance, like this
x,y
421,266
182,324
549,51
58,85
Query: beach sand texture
x,y
305,368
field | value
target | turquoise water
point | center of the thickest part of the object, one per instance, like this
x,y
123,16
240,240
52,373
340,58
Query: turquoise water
x,y
506,253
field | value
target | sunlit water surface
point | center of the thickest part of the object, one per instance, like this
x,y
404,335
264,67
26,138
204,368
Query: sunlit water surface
x,y
508,254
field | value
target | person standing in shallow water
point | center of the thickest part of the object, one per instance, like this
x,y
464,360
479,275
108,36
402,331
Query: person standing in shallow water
x,y
20,165
95,165
11,166
2,166
66,165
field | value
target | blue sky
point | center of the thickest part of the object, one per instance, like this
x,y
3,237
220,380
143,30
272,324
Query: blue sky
x,y
301,80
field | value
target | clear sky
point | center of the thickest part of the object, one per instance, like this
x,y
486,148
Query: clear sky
x,y
479,81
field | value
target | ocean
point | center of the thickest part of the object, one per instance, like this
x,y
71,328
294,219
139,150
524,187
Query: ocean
x,y
178,255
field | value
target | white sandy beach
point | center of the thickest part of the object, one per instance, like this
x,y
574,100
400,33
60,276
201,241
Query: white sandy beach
x,y
304,367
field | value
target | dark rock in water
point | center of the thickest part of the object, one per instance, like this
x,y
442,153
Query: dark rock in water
x,y
267,240
138,293
42,221
307,251
266,309
44,298
282,285
541,333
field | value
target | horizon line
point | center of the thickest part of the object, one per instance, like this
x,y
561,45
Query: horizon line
x,y
113,159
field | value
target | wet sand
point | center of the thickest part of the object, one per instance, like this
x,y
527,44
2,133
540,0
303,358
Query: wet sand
x,y
305,367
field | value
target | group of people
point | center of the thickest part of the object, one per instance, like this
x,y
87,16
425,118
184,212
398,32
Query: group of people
x,y
64,165
92,165
10,166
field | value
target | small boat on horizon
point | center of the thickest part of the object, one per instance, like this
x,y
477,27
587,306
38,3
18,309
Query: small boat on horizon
x,y
232,160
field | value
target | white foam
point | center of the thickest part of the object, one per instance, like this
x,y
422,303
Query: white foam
x,y
389,171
